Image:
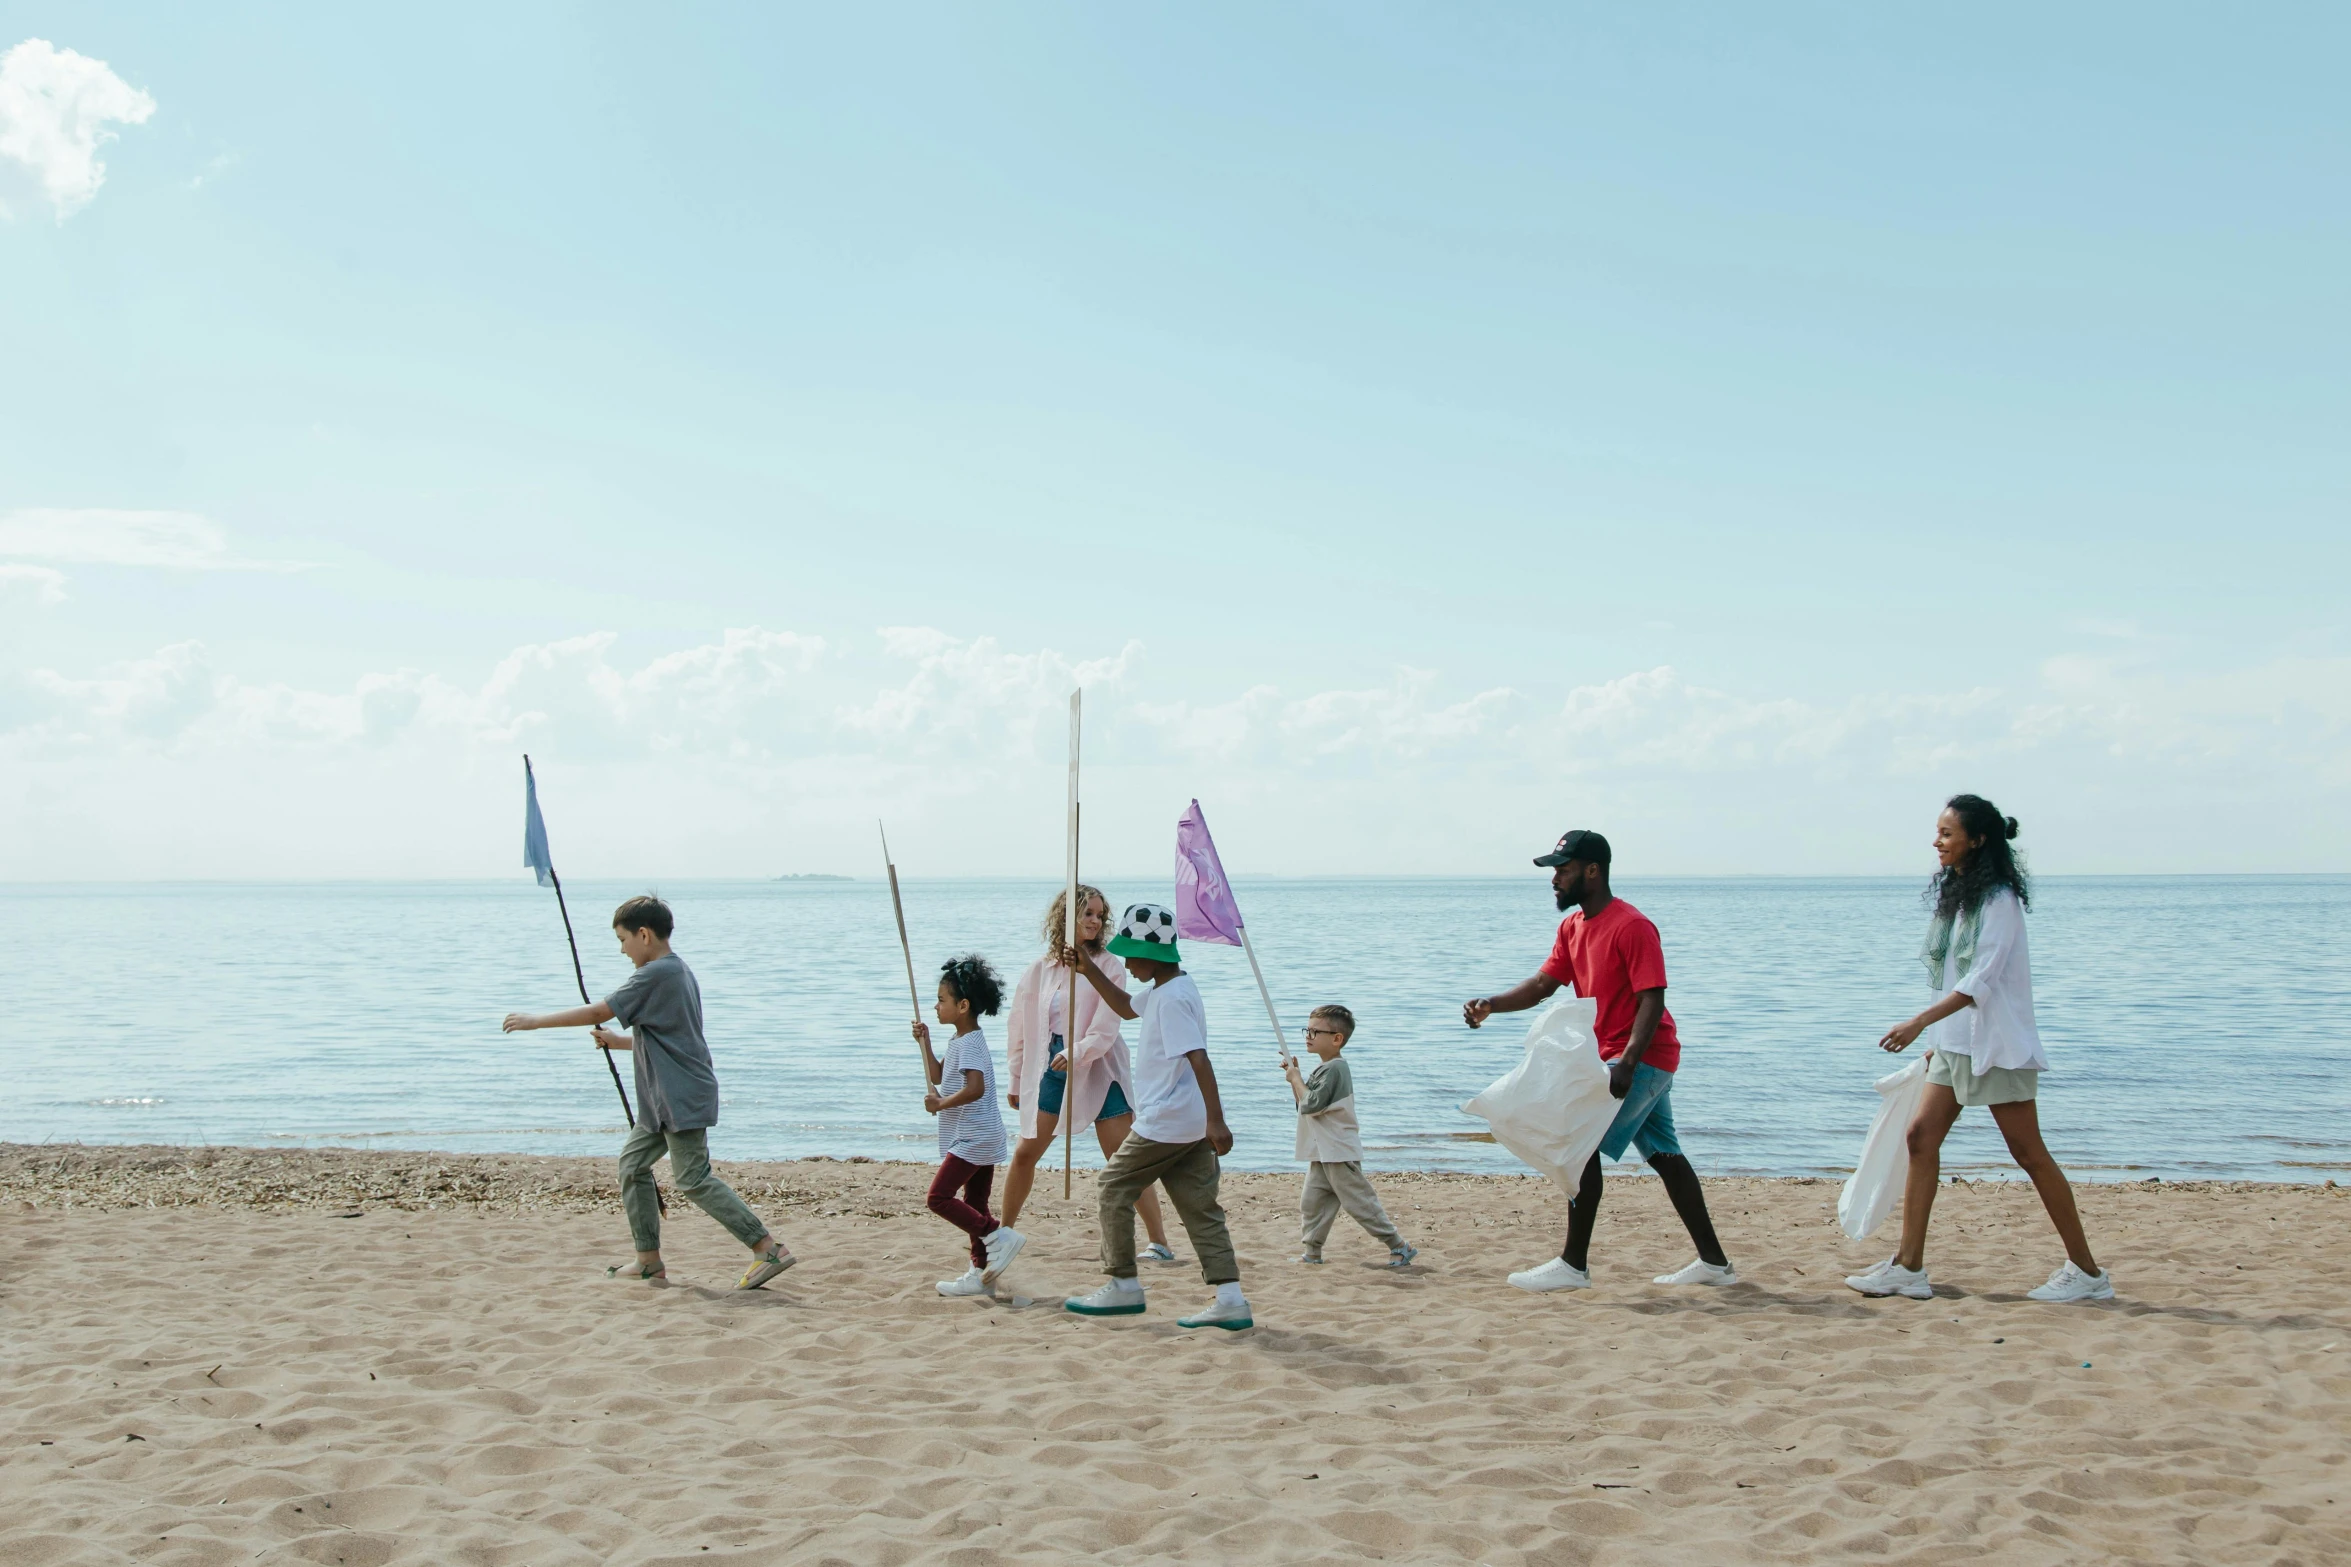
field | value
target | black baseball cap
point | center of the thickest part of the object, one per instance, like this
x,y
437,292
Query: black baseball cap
x,y
1580,844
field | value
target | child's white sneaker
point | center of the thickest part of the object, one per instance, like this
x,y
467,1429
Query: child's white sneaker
x,y
2070,1283
1553,1275
1229,1310
1118,1298
973,1282
1700,1272
1003,1244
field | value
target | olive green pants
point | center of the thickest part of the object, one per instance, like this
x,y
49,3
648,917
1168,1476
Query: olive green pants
x,y
689,1170
1188,1172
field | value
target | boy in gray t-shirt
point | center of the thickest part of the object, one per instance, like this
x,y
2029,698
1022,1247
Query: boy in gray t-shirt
x,y
677,1092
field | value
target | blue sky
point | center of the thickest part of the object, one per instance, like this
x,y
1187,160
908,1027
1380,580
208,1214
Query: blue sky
x,y
1420,431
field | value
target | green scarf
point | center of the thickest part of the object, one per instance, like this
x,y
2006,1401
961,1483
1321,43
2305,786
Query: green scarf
x,y
1938,947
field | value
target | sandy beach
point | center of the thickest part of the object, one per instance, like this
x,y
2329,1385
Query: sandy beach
x,y
219,1356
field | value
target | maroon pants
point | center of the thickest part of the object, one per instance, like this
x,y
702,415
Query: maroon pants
x,y
969,1211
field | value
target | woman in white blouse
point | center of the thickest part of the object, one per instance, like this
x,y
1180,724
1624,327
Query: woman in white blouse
x,y
1038,1052
1984,1048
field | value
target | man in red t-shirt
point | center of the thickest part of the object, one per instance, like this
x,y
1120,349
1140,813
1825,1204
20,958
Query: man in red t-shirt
x,y
1608,951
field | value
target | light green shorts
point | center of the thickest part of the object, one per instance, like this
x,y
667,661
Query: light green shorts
x,y
1999,1085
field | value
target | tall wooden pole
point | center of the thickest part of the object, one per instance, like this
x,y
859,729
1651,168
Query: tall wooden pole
x,y
897,907
1070,915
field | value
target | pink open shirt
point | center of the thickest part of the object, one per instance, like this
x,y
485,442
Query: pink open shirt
x,y
1100,1054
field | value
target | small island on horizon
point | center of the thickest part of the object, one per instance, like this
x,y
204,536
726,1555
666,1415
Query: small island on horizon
x,y
813,876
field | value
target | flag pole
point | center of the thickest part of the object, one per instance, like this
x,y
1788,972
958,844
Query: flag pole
x,y
913,996
1069,929
1280,1041
578,974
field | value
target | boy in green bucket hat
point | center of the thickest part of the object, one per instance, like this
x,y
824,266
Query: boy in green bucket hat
x,y
1178,1131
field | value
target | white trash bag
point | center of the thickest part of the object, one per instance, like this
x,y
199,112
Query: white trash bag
x,y
1876,1182
1553,1108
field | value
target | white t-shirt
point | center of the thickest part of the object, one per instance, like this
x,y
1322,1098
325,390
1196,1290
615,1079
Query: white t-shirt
x,y
972,1132
1168,1106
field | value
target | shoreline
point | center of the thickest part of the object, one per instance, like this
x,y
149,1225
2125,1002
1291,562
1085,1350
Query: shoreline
x,y
216,1175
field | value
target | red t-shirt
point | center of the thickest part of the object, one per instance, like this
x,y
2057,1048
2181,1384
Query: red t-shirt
x,y
1613,959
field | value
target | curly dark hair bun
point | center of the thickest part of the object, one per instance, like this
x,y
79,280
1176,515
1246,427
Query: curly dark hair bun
x,y
1990,866
972,980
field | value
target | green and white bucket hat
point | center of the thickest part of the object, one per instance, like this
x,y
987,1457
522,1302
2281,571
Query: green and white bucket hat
x,y
1147,931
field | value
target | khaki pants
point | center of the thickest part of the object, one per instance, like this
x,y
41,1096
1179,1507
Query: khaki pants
x,y
1332,1187
1188,1172
689,1169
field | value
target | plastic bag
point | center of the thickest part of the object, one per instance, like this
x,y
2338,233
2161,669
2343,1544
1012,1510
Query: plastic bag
x,y
1553,1108
1876,1182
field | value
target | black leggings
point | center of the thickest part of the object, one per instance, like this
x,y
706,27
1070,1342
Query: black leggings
x,y
1681,1184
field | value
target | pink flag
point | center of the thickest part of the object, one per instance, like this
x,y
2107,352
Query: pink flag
x,y
1205,910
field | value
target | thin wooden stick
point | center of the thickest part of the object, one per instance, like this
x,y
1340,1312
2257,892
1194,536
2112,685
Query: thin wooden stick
x,y
898,907
1069,929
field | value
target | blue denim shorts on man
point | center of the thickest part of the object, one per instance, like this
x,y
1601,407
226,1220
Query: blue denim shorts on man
x,y
1645,1119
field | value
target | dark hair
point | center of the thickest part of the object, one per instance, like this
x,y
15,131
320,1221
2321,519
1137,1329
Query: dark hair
x,y
1989,866
972,980
1338,1017
644,912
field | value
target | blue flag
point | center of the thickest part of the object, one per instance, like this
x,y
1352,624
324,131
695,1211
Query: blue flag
x,y
534,830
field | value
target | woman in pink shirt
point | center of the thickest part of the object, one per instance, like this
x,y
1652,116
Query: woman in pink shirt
x,y
1038,1059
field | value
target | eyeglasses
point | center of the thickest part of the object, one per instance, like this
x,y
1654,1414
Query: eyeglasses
x,y
1310,1031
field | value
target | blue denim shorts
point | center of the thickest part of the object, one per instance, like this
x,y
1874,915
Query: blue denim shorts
x,y
1050,1086
1644,1119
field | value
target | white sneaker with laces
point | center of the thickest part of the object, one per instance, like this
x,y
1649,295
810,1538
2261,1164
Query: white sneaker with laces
x,y
1231,1314
1003,1244
1892,1279
1118,1298
1552,1275
973,1282
1700,1272
2070,1283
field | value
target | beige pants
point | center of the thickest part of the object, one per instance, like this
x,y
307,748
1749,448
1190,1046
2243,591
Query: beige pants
x,y
1333,1187
1188,1173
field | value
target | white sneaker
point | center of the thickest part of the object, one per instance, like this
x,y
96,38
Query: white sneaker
x,y
1700,1272
973,1282
1220,1314
2071,1283
1892,1279
1118,1298
1004,1244
1552,1275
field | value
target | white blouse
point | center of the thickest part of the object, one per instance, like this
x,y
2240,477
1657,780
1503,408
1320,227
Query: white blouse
x,y
1998,1031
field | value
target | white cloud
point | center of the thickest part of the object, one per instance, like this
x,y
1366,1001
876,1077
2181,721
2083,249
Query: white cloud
x,y
764,750
38,583
96,537
55,107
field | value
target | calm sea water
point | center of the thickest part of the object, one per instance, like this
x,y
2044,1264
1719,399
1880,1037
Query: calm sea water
x,y
2196,1026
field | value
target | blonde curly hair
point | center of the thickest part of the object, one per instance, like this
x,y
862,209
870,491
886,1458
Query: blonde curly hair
x,y
1057,922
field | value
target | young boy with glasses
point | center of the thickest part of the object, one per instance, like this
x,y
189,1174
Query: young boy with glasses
x,y
1331,1143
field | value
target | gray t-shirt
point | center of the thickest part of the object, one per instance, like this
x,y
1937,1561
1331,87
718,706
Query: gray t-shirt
x,y
661,1007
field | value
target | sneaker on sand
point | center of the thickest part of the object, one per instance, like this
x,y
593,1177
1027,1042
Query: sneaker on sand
x,y
973,1282
1118,1298
764,1268
1308,1256
1003,1244
2071,1283
1892,1279
1155,1252
1220,1315
1552,1275
1700,1272
1402,1256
